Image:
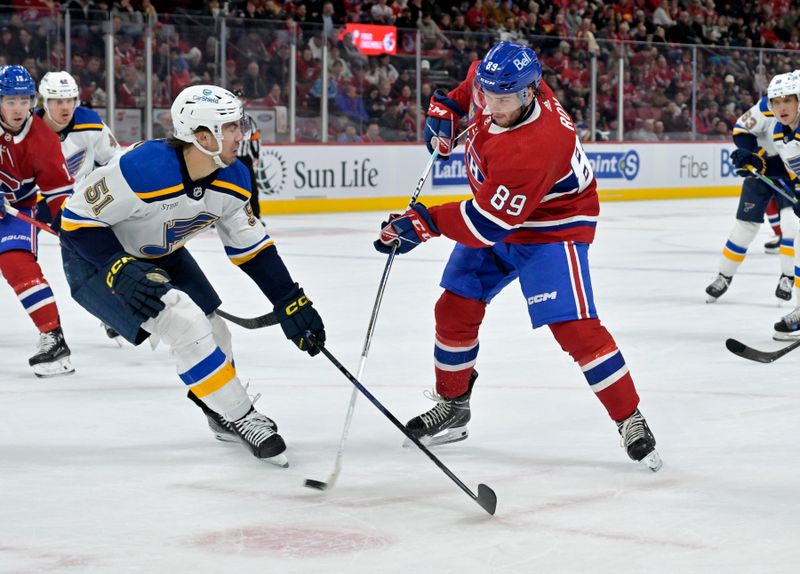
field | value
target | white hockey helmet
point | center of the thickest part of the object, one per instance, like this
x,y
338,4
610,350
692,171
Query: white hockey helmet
x,y
205,106
58,85
783,85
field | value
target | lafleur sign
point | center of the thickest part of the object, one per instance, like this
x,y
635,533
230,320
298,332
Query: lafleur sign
x,y
371,39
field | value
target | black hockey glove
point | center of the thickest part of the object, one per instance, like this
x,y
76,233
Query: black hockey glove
x,y
744,158
140,285
297,315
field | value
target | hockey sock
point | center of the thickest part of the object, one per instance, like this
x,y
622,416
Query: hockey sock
x,y
774,218
735,249
788,231
456,350
202,364
593,348
25,277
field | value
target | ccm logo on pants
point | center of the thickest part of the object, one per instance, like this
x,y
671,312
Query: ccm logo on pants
x,y
541,297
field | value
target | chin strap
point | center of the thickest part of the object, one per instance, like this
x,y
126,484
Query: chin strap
x,y
212,154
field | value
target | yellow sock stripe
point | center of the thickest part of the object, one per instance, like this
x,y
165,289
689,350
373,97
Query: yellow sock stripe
x,y
738,257
215,382
797,281
786,251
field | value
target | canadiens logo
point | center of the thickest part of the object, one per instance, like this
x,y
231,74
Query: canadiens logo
x,y
473,165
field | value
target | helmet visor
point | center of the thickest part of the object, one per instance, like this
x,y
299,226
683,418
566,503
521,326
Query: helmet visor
x,y
493,103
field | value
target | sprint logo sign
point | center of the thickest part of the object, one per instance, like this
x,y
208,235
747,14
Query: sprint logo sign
x,y
614,165
451,172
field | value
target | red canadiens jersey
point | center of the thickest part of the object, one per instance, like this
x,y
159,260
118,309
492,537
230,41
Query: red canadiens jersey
x,y
532,183
30,159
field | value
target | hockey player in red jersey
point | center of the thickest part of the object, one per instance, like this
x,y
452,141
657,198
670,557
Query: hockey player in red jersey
x,y
532,218
30,157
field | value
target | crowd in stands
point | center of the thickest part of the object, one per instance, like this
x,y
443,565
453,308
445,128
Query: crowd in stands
x,y
374,98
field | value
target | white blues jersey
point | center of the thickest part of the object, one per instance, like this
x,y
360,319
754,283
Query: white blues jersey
x,y
146,198
86,142
787,142
760,122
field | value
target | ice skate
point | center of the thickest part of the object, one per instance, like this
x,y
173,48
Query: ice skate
x,y
112,334
773,246
718,287
444,423
638,441
259,434
784,288
52,355
788,328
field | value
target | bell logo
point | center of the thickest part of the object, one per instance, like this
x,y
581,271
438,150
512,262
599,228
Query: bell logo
x,y
542,297
520,63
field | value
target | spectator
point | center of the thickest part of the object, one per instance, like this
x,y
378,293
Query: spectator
x,y
274,97
349,135
351,104
373,133
253,85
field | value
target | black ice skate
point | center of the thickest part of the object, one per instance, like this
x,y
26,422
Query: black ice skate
x,y
788,328
773,246
259,434
221,428
718,287
52,355
444,423
784,288
638,441
112,334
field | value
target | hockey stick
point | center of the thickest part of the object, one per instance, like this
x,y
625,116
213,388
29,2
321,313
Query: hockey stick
x,y
14,212
782,191
250,322
485,497
742,350
337,468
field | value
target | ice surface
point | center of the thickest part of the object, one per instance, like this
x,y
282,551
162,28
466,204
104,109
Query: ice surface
x,y
113,470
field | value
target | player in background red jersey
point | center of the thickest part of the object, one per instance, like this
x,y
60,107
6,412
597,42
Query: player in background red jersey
x,y
30,161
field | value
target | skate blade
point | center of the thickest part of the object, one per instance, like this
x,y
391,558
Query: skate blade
x,y
278,460
59,368
711,299
653,461
225,437
450,435
780,336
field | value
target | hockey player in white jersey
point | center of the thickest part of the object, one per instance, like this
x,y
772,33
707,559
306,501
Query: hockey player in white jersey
x,y
752,135
86,141
123,233
783,95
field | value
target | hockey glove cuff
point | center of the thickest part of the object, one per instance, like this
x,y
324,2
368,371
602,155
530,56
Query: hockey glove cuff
x,y
297,315
742,159
408,230
140,285
441,126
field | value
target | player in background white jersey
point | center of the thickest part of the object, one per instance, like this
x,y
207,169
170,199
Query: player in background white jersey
x,y
783,93
123,237
752,135
86,141
30,158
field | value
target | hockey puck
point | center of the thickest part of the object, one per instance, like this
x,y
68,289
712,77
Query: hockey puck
x,y
318,484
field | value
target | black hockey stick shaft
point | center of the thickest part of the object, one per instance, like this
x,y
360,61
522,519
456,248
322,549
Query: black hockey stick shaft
x,y
252,322
486,497
746,352
781,191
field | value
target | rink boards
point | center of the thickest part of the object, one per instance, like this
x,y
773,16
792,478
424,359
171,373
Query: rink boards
x,y
326,178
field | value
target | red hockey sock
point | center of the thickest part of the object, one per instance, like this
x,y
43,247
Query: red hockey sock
x,y
773,216
25,277
457,322
593,348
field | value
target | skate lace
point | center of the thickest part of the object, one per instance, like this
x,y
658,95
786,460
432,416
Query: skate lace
x,y
719,283
792,318
47,341
631,430
438,413
255,428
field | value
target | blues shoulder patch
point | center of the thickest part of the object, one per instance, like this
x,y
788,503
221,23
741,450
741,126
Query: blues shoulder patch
x,y
152,171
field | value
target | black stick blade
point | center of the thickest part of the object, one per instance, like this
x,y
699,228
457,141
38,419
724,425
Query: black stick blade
x,y
487,498
742,350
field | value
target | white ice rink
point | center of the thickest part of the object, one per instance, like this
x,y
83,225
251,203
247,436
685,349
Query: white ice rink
x,y
112,470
